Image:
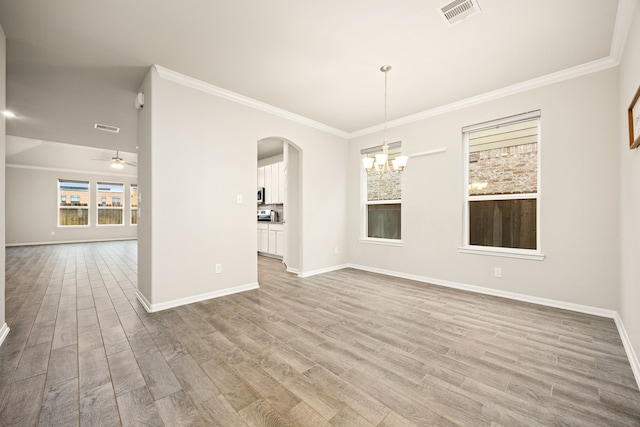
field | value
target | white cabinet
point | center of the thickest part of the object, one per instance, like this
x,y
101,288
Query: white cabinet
x,y
280,243
263,238
268,193
271,239
272,179
281,181
260,177
272,242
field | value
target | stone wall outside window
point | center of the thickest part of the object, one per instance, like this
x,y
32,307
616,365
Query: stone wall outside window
x,y
384,187
507,170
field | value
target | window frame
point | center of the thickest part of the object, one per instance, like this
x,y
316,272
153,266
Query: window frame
x,y
121,207
364,202
532,254
59,203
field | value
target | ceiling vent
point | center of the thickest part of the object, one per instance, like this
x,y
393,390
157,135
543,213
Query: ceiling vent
x,y
459,10
107,128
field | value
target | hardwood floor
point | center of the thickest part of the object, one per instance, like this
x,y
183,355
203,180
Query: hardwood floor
x,y
347,348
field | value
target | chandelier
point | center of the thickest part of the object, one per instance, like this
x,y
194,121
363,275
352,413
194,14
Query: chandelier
x,y
380,164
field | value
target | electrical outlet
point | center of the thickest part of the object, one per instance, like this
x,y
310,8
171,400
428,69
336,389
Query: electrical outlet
x,y
497,272
336,251
239,199
53,233
218,268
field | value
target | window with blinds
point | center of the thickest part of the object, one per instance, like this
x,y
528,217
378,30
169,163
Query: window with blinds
x,y
502,183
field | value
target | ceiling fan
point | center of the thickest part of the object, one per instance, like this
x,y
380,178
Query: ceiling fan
x,y
118,162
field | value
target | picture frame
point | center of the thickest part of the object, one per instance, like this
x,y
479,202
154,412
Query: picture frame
x,y
634,121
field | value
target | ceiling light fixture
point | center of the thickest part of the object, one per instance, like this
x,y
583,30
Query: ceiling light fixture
x,y
9,114
381,162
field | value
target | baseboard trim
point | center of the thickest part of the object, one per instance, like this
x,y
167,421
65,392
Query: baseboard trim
x,y
66,242
493,292
596,311
323,270
628,348
4,331
152,308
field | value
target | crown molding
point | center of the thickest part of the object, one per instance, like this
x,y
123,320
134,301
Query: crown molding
x,y
624,19
196,84
622,28
569,73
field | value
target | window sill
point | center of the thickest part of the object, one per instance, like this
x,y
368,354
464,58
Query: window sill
x,y
383,242
502,252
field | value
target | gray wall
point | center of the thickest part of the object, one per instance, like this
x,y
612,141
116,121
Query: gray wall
x,y
630,190
31,208
579,202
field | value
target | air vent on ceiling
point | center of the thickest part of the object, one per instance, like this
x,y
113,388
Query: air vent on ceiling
x,y
107,128
459,10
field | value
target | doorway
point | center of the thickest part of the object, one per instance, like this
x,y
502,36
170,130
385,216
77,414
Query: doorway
x,y
279,163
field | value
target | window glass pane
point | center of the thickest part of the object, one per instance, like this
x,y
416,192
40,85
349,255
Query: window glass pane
x,y
110,194
503,223
134,203
71,216
134,196
109,216
504,160
110,209
383,221
73,193
385,186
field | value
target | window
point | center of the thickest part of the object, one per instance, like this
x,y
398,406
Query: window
x,y
502,185
76,211
382,198
134,203
110,209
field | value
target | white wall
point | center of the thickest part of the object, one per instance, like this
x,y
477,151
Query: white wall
x,y
205,147
579,205
31,208
630,190
3,92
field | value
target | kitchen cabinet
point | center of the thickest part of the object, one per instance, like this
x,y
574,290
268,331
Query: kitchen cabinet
x,y
263,238
271,239
272,179
260,177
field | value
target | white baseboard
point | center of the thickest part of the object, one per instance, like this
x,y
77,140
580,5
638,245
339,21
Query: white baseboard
x,y
65,242
596,311
323,270
4,331
631,354
152,308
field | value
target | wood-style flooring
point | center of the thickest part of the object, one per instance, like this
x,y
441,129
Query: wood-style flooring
x,y
346,348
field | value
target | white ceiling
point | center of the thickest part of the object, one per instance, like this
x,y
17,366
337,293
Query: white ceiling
x,y
48,155
72,63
